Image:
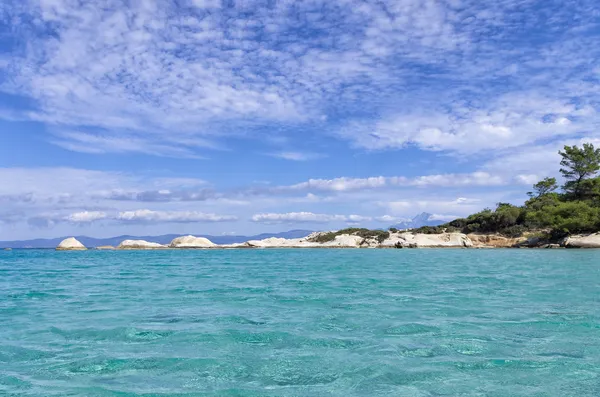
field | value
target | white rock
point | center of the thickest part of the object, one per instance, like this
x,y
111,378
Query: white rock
x,y
589,241
191,242
139,244
278,242
70,244
445,240
344,241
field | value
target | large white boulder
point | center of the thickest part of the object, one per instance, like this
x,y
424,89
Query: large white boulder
x,y
191,242
589,241
139,245
70,244
278,242
271,242
344,241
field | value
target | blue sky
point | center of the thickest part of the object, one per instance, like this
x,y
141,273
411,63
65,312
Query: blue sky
x,y
222,117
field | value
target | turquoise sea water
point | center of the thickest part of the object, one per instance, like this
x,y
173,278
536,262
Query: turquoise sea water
x,y
300,323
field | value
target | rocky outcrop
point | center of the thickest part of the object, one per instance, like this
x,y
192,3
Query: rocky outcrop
x,y
579,241
496,241
396,240
70,244
139,245
7,249
442,240
345,241
191,242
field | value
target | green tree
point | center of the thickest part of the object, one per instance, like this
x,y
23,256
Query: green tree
x,y
578,165
543,187
567,218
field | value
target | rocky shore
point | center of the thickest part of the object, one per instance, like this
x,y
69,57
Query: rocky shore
x,y
390,240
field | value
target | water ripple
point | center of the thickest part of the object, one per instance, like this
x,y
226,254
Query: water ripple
x,y
300,323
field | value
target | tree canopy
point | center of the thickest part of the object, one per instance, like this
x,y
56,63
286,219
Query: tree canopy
x,y
578,164
575,209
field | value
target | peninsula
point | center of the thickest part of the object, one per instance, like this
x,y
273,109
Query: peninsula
x,y
551,218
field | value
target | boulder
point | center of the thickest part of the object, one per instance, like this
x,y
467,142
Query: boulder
x,y
139,245
579,241
277,242
344,241
191,242
70,244
272,242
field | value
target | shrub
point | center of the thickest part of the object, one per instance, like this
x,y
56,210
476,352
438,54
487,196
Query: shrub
x,y
567,218
380,235
514,231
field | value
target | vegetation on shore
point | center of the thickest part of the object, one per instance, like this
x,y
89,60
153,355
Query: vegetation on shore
x,y
572,209
379,235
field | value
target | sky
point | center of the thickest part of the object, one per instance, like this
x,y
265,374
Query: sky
x,y
240,117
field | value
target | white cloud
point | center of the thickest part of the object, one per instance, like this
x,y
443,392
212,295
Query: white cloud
x,y
390,219
443,208
140,70
57,182
510,121
444,218
86,216
103,143
172,216
344,184
340,184
307,217
478,178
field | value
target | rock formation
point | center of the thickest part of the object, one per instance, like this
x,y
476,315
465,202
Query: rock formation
x,y
191,242
496,241
139,245
443,240
578,241
70,244
396,240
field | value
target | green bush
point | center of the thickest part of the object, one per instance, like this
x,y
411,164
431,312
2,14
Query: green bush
x,y
380,235
514,231
567,218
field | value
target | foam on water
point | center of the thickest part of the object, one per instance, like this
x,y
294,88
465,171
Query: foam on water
x,y
300,323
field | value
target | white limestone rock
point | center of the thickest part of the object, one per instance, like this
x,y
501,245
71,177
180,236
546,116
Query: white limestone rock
x,y
344,241
442,240
139,244
579,241
191,242
70,244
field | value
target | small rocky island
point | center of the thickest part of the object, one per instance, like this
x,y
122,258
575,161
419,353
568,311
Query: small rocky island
x,y
70,244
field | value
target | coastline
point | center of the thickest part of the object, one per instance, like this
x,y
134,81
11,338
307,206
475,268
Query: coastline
x,y
393,240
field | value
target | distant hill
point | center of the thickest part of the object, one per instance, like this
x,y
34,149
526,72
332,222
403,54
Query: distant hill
x,y
163,239
423,219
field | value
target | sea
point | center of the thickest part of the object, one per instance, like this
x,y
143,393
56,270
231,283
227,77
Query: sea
x,y
300,322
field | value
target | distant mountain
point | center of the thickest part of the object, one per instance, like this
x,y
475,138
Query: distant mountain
x,y
163,239
423,219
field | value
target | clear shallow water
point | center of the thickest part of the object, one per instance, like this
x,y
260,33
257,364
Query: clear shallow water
x,y
300,323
